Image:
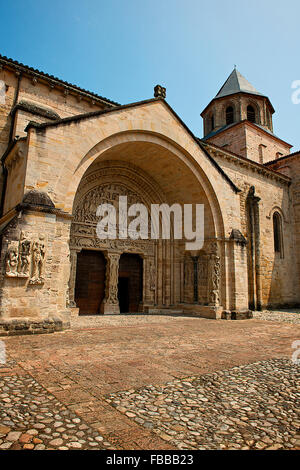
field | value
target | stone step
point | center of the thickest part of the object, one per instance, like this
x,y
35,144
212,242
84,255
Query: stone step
x,y
164,311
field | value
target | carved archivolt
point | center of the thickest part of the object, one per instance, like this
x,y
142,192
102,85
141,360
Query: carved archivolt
x,y
26,258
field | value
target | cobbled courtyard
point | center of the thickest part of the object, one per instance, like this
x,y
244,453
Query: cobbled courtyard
x,y
154,382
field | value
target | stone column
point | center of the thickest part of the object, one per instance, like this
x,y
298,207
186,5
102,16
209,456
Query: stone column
x,y
255,299
72,281
110,304
195,283
238,276
149,280
214,272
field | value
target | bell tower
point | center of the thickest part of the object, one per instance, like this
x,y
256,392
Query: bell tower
x,y
239,119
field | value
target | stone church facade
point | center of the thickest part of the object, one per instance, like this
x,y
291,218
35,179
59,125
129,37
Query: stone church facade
x,y
66,150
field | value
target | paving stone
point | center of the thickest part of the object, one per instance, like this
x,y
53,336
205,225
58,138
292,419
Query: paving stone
x,y
225,390
37,405
202,386
13,436
56,442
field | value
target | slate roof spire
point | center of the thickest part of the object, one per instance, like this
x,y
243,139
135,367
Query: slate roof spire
x,y
236,83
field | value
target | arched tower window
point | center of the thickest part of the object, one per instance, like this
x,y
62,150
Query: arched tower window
x,y
277,232
251,113
212,122
229,115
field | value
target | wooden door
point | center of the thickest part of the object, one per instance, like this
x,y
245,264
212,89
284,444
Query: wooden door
x,y
90,281
130,282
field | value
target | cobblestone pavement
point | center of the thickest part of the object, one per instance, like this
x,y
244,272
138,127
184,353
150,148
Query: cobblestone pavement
x,y
66,376
288,316
31,418
248,407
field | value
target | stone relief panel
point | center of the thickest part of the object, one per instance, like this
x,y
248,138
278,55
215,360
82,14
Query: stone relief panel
x,y
26,258
11,260
38,261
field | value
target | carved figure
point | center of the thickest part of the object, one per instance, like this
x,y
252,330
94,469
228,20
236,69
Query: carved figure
x,y
24,256
11,262
38,258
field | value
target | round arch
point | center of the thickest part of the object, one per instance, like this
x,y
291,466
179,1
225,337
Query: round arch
x,y
178,159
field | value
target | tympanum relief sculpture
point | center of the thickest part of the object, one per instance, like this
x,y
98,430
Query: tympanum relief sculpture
x,y
83,231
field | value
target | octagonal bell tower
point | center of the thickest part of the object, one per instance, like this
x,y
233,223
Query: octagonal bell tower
x,y
239,118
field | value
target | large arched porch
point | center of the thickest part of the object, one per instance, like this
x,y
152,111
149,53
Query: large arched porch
x,y
148,170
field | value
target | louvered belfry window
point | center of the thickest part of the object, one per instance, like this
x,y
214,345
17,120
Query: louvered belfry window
x,y
250,113
229,115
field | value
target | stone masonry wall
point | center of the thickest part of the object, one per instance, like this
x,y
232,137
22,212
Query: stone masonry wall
x,y
39,93
291,167
250,142
278,287
28,297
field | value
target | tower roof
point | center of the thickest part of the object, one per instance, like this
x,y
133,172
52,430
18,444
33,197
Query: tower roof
x,y
236,83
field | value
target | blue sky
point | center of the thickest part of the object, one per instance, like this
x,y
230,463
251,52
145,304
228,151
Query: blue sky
x,y
121,49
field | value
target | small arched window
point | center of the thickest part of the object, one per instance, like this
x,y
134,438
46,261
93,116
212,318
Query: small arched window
x,y
251,113
212,122
229,115
277,232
